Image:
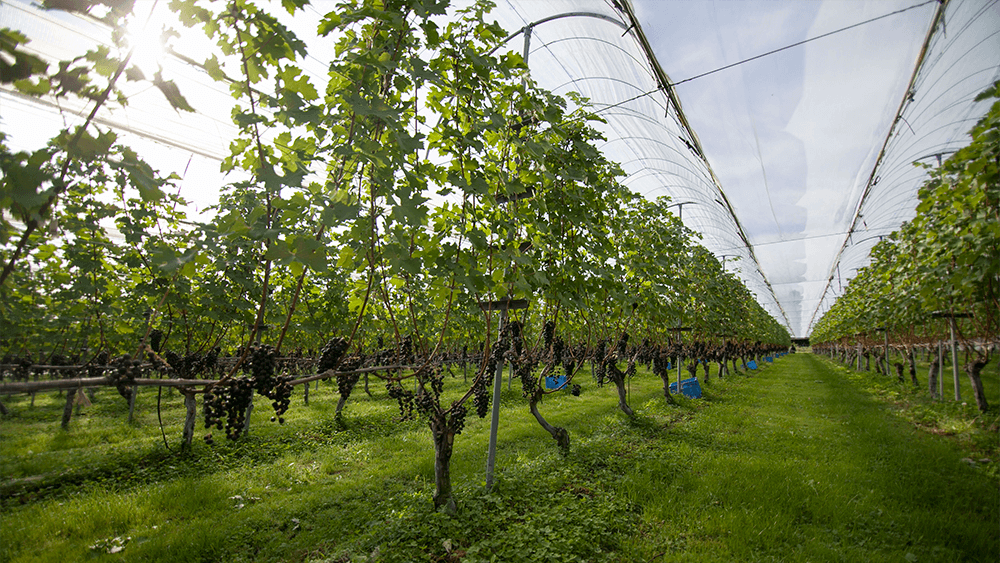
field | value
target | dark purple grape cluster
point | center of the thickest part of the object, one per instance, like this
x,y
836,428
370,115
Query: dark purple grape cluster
x,y
330,354
95,367
346,383
262,367
211,361
630,370
436,379
456,421
524,371
515,340
155,339
480,395
427,404
125,373
622,346
548,333
612,372
403,397
406,351
281,397
227,406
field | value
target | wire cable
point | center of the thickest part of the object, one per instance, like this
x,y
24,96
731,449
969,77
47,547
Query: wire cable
x,y
803,42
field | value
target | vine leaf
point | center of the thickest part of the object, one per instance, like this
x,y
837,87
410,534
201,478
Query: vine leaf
x,y
172,93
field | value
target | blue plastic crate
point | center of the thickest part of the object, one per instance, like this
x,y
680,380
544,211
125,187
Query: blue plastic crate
x,y
769,359
689,388
752,364
555,382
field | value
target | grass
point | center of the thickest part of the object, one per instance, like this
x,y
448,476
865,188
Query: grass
x,y
803,461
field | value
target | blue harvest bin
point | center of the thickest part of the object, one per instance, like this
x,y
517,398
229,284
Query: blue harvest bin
x,y
689,387
555,382
752,364
668,366
769,358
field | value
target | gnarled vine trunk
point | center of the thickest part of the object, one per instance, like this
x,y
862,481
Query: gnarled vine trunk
x,y
912,366
973,370
444,443
666,387
560,435
618,377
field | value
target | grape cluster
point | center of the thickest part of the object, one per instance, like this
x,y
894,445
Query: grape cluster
x,y
529,383
23,370
406,351
329,355
262,367
436,377
548,332
229,403
427,403
155,339
481,400
614,374
211,360
281,397
346,383
599,364
123,378
622,345
403,397
94,369
514,337
630,370
457,419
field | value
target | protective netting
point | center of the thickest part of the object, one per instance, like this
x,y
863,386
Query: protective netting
x,y
789,166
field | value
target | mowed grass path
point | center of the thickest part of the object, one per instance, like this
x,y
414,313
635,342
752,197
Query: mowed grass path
x,y
798,464
795,463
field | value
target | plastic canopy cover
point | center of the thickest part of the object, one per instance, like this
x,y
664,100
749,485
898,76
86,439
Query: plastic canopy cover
x,y
791,166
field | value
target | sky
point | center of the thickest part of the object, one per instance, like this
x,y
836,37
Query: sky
x,y
793,141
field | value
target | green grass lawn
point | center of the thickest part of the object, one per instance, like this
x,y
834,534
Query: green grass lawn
x,y
803,461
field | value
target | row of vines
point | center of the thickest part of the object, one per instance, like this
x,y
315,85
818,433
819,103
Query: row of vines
x,y
424,204
935,279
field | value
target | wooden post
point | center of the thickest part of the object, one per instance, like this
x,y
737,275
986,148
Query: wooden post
x,y
954,358
68,408
941,369
954,349
246,423
134,390
189,419
886,360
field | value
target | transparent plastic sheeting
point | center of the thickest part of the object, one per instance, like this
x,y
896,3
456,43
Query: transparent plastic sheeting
x,y
963,58
775,160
